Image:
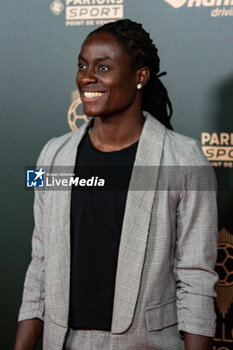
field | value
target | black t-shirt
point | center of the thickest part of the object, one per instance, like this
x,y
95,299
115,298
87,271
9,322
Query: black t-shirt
x,y
96,223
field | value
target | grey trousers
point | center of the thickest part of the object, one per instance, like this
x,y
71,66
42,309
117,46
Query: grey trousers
x,y
88,340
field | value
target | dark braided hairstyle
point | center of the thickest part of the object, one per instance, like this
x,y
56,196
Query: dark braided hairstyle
x,y
137,43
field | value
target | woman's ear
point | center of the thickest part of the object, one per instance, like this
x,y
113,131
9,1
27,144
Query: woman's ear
x,y
143,75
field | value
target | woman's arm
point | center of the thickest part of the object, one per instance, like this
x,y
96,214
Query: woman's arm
x,y
196,251
31,313
28,334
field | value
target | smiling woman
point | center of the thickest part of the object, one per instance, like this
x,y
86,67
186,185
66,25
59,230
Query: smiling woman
x,y
129,266
115,78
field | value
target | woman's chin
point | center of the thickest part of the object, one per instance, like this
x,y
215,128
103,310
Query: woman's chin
x,y
91,112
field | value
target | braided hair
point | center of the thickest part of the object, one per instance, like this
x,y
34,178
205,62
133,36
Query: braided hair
x,y
137,43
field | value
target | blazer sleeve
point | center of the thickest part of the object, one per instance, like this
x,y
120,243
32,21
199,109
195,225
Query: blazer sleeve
x,y
33,294
196,248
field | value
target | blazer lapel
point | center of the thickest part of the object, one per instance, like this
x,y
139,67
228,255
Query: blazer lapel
x,y
136,222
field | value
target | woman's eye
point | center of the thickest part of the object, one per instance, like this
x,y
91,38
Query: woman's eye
x,y
81,66
103,68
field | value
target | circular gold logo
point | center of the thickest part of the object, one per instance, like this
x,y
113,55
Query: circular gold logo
x,y
224,268
224,265
72,114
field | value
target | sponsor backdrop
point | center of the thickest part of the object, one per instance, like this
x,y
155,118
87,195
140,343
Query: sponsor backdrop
x,y
40,41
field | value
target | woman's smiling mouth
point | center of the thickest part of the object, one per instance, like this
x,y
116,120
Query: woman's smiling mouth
x,y
87,95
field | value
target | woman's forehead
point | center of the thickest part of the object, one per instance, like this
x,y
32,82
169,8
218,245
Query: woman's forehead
x,y
100,45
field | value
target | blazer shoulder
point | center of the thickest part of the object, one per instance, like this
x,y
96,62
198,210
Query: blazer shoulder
x,y
183,150
57,144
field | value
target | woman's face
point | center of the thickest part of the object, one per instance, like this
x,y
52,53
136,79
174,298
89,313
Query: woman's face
x,y
105,79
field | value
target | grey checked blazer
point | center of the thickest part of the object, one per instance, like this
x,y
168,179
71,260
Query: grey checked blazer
x,y
165,273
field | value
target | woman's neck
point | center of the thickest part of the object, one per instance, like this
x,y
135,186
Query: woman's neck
x,y
113,134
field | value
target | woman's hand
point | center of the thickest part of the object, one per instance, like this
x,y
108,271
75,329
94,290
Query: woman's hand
x,y
197,342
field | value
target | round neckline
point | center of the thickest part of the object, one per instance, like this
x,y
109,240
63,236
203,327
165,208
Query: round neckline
x,y
133,145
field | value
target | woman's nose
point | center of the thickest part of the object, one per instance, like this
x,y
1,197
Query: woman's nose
x,y
88,76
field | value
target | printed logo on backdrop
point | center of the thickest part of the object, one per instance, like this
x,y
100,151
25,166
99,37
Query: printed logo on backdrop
x,y
89,12
224,286
176,3
222,8
218,148
56,7
75,116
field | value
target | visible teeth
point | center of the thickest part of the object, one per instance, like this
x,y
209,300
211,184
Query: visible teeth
x,y
92,94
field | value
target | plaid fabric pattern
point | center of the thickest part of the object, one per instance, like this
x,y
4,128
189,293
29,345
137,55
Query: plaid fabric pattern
x,y
165,273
